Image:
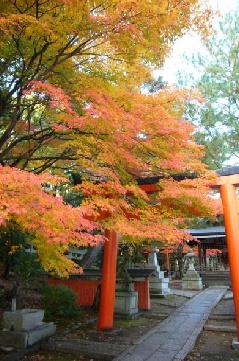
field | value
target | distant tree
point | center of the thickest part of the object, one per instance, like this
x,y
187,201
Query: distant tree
x,y
216,78
154,85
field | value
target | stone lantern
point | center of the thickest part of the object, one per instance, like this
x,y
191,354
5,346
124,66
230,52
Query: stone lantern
x,y
190,257
191,279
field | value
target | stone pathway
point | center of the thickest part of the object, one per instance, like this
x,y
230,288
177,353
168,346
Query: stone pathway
x,y
175,337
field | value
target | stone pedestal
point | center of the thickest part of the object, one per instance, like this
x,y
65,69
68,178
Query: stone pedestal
x,y
21,320
192,281
23,328
158,284
126,301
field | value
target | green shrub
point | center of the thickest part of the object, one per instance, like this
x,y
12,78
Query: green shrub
x,y
59,301
28,267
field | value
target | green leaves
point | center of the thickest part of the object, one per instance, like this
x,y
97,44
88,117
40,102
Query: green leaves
x,y
217,117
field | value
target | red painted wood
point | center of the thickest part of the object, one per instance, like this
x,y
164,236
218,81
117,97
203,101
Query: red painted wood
x,y
84,289
142,287
231,221
107,299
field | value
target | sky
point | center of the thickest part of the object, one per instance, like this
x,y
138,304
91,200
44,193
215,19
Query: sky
x,y
188,44
223,5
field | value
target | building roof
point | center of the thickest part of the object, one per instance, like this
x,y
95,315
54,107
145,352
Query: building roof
x,y
228,171
210,232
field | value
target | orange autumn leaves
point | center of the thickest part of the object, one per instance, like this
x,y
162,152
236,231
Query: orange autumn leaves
x,y
71,103
47,222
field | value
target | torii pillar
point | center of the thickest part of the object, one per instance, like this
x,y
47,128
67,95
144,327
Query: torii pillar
x,y
107,299
227,186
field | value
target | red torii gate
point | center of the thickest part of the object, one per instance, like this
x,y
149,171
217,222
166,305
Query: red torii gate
x,y
227,184
108,281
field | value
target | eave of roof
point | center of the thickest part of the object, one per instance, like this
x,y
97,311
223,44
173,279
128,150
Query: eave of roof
x,y
214,232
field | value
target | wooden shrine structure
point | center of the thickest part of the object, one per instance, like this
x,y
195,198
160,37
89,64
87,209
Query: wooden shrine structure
x,y
211,238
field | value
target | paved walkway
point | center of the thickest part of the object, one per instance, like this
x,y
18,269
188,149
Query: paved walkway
x,y
175,337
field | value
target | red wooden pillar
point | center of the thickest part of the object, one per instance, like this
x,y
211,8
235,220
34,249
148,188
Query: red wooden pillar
x,y
107,299
231,221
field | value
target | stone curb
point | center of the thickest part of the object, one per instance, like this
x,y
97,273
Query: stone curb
x,y
87,348
220,328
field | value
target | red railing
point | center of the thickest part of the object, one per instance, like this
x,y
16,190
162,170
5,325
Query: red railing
x,y
86,290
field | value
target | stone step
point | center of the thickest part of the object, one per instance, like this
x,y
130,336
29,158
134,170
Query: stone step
x,y
154,315
221,317
220,328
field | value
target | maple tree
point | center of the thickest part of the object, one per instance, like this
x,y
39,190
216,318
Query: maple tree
x,y
46,222
46,48
71,103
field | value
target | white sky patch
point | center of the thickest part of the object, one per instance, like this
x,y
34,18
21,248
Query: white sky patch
x,y
223,5
183,47
188,45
